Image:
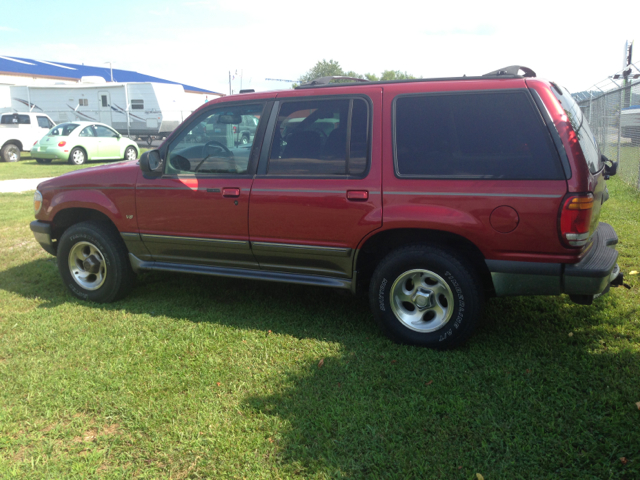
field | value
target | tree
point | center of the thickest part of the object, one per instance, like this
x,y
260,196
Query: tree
x,y
332,68
322,69
395,75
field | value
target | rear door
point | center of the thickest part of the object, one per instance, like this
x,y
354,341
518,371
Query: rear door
x,y
316,194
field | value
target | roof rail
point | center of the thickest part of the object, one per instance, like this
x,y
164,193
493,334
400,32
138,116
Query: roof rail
x,y
327,80
511,70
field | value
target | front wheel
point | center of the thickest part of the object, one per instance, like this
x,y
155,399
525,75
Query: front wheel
x,y
10,153
43,161
93,262
426,296
130,153
77,156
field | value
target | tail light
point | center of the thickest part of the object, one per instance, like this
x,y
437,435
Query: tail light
x,y
35,142
575,219
62,143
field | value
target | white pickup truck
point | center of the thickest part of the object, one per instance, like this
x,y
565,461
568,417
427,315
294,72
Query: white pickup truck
x,y
19,131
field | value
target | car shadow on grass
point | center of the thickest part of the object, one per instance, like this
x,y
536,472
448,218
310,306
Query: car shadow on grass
x,y
545,389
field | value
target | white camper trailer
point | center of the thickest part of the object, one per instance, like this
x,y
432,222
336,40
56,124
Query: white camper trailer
x,y
132,108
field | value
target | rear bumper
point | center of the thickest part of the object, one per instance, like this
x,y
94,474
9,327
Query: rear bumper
x,y
591,276
51,153
42,233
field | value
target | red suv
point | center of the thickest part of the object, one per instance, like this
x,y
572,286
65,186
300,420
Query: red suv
x,y
433,194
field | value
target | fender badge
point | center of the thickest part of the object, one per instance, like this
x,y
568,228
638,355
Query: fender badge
x,y
129,217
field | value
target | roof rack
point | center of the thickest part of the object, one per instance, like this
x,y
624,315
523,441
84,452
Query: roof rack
x,y
327,80
511,70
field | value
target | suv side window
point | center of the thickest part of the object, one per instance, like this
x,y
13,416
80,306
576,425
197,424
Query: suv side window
x,y
312,138
493,135
208,145
44,122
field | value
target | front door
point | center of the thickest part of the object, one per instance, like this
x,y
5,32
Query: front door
x,y
108,143
317,193
197,212
104,102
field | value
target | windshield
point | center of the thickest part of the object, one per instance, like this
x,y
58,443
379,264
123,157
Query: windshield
x,y
62,130
580,125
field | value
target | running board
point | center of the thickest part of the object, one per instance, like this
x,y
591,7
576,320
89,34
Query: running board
x,y
316,280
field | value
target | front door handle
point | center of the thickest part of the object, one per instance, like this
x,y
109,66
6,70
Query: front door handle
x,y
230,192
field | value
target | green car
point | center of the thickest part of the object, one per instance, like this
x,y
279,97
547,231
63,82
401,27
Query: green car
x,y
77,142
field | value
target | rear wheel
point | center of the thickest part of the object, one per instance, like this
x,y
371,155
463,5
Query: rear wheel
x,y
426,296
43,160
10,153
130,153
77,156
94,263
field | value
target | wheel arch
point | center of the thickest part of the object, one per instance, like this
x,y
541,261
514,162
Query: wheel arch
x,y
68,217
13,141
81,147
381,243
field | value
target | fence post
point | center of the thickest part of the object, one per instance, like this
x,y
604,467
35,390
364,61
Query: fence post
x,y
620,125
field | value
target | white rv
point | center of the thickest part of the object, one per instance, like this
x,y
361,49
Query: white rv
x,y
134,109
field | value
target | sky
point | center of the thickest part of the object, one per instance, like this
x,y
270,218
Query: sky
x,y
198,42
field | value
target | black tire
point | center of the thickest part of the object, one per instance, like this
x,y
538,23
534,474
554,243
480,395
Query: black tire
x,y
150,140
446,298
10,153
77,156
112,279
43,161
130,153
244,140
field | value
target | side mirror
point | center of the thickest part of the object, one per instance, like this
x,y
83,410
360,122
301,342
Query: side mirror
x,y
151,162
610,167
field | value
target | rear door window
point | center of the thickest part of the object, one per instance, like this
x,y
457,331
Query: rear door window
x,y
321,138
492,135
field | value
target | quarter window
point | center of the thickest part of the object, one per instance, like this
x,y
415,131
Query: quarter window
x,y
84,102
89,131
478,135
312,138
210,146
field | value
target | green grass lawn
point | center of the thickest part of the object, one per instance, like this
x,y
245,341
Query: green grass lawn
x,y
200,377
27,167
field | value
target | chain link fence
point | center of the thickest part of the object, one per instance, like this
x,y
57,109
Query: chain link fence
x,y
614,117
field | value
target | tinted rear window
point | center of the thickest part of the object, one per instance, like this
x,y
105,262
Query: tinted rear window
x,y
16,119
580,125
473,135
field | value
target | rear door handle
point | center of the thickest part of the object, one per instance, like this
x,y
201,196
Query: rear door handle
x,y
358,195
230,192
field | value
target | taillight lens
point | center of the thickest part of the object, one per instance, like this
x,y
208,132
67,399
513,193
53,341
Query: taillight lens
x,y
575,220
35,142
62,143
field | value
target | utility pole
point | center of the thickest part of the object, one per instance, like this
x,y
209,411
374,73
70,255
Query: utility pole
x,y
229,82
111,69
